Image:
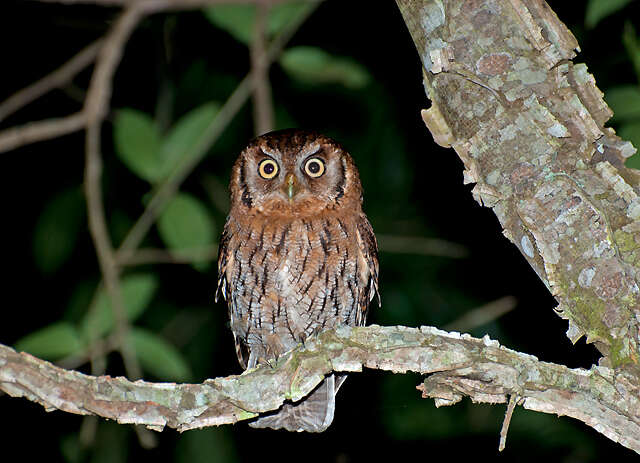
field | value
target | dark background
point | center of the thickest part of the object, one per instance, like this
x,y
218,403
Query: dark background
x,y
412,188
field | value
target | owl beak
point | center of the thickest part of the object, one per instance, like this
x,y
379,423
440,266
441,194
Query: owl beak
x,y
290,186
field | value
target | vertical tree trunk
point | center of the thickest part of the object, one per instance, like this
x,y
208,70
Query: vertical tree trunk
x,y
529,126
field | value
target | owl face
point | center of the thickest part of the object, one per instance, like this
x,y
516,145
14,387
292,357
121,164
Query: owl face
x,y
293,172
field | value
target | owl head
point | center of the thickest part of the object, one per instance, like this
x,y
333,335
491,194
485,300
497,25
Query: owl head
x,y
294,172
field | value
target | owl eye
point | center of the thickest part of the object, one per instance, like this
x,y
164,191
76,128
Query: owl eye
x,y
314,167
268,169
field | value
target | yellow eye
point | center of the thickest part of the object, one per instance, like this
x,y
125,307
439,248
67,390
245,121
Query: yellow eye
x,y
314,167
268,169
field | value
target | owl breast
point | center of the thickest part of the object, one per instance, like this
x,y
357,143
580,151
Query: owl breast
x,y
291,278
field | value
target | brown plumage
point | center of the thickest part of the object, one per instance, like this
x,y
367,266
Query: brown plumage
x,y
297,256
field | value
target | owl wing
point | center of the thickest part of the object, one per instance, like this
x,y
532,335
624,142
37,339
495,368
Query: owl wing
x,y
225,263
224,260
368,256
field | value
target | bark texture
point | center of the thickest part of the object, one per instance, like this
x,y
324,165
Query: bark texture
x,y
529,125
461,365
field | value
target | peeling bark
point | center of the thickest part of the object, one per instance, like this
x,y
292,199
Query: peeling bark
x,y
529,126
461,365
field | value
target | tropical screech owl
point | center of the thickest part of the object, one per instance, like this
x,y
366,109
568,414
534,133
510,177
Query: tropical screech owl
x,y
297,256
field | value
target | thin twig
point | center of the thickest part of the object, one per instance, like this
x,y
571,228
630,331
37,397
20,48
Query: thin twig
x,y
96,107
262,103
96,350
507,421
88,430
89,425
56,79
226,114
421,246
151,6
181,329
74,92
482,315
217,192
32,132
166,256
100,88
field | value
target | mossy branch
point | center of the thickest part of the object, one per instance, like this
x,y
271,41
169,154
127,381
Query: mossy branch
x,y
529,126
460,365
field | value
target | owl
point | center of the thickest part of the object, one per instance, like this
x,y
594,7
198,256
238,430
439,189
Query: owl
x,y
297,256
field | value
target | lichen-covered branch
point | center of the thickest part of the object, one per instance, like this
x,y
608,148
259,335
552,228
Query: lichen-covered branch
x,y
461,365
529,126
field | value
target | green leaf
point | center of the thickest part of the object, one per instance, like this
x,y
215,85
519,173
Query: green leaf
x,y
185,135
631,132
71,449
52,342
283,14
137,143
632,45
237,20
159,357
600,9
206,446
137,291
119,226
57,230
315,66
186,224
80,300
146,153
624,100
111,443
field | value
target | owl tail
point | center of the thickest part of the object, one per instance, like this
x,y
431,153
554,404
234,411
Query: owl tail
x,y
312,414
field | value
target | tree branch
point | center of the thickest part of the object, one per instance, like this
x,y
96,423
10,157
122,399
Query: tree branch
x,y
418,245
482,315
262,104
152,6
32,132
506,422
56,79
145,256
460,365
96,106
529,126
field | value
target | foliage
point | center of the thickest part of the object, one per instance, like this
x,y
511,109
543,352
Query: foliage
x,y
623,99
313,65
598,10
57,230
185,224
151,156
137,291
239,20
